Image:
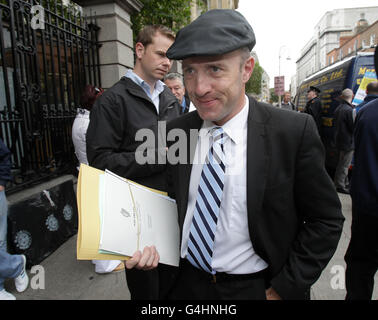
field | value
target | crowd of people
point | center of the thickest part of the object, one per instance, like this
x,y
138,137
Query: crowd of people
x,y
264,231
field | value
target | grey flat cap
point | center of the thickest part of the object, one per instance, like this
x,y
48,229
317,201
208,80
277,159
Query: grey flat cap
x,y
213,33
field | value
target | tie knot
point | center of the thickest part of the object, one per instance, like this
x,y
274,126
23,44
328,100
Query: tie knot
x,y
217,133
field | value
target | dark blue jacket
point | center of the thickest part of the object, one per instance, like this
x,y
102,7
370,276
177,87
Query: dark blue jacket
x,y
368,98
5,164
364,184
344,126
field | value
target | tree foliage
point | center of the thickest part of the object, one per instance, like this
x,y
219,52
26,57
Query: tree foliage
x,y
171,13
273,96
254,83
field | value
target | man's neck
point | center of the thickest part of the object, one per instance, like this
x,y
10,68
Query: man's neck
x,y
150,82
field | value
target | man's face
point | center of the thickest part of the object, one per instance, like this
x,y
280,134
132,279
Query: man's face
x,y
311,95
216,84
152,59
287,97
176,87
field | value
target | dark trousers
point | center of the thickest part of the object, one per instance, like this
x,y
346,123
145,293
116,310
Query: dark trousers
x,y
194,284
362,256
151,285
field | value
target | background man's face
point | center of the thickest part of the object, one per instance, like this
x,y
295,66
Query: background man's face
x,y
154,63
176,87
311,95
287,97
216,84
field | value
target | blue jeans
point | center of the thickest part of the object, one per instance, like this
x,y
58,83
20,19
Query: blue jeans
x,y
3,221
10,265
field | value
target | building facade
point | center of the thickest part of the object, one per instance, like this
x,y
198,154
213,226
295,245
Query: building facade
x,y
332,26
197,8
364,41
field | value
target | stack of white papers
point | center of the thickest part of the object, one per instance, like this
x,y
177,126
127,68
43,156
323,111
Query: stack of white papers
x,y
133,217
117,217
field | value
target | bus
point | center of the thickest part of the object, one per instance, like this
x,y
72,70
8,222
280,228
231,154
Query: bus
x,y
332,80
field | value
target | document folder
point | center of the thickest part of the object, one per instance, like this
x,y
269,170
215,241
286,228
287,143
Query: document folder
x,y
118,217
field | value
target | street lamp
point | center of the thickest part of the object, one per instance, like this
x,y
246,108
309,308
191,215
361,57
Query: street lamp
x,y
279,68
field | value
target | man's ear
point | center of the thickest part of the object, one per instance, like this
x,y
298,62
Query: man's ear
x,y
139,50
248,67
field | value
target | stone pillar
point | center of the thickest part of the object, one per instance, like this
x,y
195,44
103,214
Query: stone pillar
x,y
115,36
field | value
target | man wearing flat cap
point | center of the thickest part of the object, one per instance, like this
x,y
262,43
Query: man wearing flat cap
x,y
259,216
314,106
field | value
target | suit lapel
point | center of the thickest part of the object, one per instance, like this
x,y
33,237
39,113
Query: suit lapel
x,y
193,122
258,158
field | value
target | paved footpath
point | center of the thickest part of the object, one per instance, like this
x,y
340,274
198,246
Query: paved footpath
x,y
69,279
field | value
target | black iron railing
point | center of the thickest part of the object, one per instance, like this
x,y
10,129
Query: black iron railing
x,y
42,74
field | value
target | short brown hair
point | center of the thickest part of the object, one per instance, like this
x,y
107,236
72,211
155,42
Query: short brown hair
x,y
145,36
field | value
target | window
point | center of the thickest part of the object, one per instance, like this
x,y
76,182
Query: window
x,y
220,4
349,50
372,40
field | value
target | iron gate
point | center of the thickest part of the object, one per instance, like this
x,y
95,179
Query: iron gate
x,y
42,74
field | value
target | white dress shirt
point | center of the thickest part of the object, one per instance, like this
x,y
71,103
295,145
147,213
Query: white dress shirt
x,y
233,250
154,96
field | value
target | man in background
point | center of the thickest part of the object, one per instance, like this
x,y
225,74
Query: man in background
x,y
344,140
286,103
175,82
371,94
314,106
362,255
138,101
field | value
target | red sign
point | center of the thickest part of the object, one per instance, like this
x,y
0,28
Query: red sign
x,y
279,85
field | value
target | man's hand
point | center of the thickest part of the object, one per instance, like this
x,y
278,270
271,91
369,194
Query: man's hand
x,y
147,261
271,294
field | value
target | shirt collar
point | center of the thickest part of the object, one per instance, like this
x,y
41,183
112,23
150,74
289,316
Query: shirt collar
x,y
233,127
159,85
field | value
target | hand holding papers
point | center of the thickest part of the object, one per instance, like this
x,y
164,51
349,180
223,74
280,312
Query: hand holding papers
x,y
147,260
131,217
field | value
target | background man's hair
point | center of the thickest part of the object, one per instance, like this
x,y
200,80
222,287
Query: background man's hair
x,y
174,76
347,94
146,35
372,87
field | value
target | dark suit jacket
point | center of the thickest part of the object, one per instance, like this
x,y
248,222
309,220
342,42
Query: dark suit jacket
x,y
314,108
344,126
364,184
294,213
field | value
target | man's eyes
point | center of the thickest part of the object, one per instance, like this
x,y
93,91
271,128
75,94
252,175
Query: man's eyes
x,y
212,69
188,71
215,69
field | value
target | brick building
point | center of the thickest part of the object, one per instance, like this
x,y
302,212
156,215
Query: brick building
x,y
362,41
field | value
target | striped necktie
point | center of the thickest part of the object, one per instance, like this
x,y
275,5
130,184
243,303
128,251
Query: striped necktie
x,y
206,211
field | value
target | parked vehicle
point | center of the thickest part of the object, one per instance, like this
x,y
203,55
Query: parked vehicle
x,y
331,80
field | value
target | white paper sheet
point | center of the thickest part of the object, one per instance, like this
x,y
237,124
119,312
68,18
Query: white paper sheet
x,y
135,217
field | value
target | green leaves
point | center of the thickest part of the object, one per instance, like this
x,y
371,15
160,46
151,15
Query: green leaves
x,y
171,13
254,83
